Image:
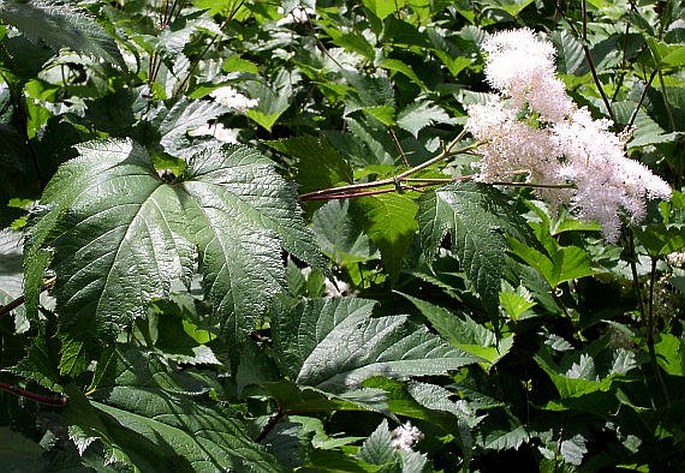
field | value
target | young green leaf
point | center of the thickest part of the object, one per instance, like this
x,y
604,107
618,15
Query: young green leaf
x,y
183,116
564,264
378,449
418,115
388,220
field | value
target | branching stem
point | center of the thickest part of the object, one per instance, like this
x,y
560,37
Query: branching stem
x,y
196,61
447,152
402,181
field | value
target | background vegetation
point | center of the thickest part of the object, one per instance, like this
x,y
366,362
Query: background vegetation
x,y
168,296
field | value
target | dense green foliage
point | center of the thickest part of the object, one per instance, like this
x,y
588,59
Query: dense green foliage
x,y
287,301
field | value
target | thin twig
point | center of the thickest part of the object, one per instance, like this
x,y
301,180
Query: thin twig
x,y
532,185
663,18
643,95
196,61
418,184
398,145
591,63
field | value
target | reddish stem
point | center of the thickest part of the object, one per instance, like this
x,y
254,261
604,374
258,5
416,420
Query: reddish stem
x,y
55,400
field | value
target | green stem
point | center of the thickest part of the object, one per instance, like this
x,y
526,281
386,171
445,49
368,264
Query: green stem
x,y
632,255
415,184
273,422
667,105
591,63
447,152
643,95
624,64
651,329
196,61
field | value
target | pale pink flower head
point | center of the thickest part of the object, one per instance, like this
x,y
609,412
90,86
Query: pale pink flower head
x,y
405,436
521,66
607,182
534,129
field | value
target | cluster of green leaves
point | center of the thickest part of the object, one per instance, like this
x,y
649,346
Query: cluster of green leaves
x,y
170,302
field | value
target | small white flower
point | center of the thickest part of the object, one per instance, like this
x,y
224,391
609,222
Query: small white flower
x,y
606,180
676,259
405,436
521,66
296,15
230,97
218,131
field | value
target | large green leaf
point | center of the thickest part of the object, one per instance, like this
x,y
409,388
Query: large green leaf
x,y
184,115
339,236
564,263
124,234
478,217
118,244
389,221
335,344
465,333
240,213
155,419
61,25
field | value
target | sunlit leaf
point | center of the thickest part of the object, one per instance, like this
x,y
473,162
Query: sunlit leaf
x,y
335,344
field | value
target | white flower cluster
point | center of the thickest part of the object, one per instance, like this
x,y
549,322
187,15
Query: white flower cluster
x,y
218,131
534,128
298,14
230,97
405,436
676,259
